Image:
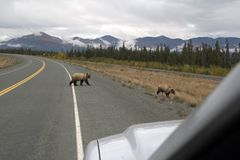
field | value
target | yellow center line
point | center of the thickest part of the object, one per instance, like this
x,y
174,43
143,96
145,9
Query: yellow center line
x,y
23,81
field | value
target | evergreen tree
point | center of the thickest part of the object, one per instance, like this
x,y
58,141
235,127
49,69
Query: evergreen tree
x,y
227,55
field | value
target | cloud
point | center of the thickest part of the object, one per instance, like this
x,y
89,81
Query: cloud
x,y
76,43
105,42
14,45
125,19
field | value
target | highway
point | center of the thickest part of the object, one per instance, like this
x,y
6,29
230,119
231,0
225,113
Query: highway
x,y
43,118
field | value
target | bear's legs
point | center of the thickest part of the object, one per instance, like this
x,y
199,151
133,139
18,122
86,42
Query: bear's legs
x,y
75,83
70,83
81,82
87,82
167,94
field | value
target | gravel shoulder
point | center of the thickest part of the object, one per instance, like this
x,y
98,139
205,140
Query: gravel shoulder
x,y
7,60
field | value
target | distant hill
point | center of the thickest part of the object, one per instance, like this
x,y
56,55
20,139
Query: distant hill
x,y
233,41
153,42
43,41
38,41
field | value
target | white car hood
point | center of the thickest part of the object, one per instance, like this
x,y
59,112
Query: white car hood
x,y
138,142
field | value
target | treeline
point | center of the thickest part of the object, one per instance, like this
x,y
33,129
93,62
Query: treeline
x,y
202,56
27,51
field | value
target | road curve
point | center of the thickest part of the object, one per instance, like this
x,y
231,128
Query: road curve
x,y
37,119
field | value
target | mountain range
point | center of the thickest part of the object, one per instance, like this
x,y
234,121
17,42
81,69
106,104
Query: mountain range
x,y
45,42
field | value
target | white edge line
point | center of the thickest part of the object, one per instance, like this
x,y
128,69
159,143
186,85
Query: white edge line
x,y
77,120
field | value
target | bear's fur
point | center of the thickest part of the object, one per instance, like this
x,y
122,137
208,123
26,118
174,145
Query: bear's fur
x,y
166,90
82,77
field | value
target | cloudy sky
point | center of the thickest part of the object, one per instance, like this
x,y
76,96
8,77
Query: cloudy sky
x,y
122,18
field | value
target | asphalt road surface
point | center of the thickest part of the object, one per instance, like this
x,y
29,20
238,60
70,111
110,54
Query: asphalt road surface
x,y
38,117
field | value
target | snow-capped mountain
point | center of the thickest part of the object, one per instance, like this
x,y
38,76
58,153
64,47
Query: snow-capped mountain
x,y
43,41
105,41
37,41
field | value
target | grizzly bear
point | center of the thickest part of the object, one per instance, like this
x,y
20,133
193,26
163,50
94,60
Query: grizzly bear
x,y
82,77
166,90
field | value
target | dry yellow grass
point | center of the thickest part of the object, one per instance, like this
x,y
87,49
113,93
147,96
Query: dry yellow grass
x,y
188,89
6,61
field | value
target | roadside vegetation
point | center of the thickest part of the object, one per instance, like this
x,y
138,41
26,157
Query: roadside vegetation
x,y
211,70
6,61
